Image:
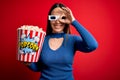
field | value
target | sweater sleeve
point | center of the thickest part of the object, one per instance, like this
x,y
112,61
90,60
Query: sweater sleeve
x,y
86,42
35,66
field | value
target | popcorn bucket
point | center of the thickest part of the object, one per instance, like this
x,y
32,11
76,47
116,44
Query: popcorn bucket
x,y
30,41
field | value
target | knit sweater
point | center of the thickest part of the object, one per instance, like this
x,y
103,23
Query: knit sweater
x,y
57,64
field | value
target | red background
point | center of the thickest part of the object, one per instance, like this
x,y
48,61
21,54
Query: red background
x,y
100,17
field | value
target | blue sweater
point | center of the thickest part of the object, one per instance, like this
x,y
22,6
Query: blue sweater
x,y
57,64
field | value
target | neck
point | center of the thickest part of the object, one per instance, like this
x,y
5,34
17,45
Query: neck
x,y
57,32
57,35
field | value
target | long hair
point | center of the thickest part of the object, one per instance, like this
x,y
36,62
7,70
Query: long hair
x,y
49,28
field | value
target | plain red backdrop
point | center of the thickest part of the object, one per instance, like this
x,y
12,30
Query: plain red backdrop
x,y
100,17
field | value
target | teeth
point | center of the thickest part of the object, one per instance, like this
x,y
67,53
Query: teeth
x,y
58,25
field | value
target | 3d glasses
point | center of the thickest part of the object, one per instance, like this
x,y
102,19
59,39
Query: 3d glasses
x,y
55,17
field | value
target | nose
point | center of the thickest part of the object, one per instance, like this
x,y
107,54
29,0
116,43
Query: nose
x,y
57,21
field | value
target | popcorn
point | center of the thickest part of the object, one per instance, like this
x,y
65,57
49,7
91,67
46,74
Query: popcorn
x,y
31,27
30,41
36,39
23,36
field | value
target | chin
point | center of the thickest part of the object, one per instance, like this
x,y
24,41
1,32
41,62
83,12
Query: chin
x,y
57,31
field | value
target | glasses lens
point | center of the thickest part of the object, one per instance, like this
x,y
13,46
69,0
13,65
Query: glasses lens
x,y
52,17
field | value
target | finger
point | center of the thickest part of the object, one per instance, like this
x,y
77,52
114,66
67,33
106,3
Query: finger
x,y
67,12
62,20
65,21
63,16
66,9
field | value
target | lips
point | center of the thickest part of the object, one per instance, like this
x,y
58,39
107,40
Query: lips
x,y
57,28
58,24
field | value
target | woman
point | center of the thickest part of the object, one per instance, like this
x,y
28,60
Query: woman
x,y
59,47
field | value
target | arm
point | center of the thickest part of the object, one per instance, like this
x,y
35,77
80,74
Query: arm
x,y
86,42
34,66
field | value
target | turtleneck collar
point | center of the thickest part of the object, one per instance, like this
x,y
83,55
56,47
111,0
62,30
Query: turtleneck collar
x,y
57,35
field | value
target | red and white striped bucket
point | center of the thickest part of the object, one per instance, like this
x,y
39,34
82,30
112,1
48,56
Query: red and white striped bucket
x,y
29,45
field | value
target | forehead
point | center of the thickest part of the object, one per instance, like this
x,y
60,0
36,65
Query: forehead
x,y
57,10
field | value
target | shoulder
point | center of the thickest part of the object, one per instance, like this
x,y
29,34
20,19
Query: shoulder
x,y
70,35
47,36
73,37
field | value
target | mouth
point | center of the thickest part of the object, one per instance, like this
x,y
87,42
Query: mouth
x,y
58,24
58,27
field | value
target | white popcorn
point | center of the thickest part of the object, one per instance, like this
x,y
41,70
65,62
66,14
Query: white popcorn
x,y
23,36
31,27
36,39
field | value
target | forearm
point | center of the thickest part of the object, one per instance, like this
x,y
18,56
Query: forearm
x,y
32,66
87,38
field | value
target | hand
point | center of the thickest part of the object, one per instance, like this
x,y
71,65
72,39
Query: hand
x,y
68,18
26,63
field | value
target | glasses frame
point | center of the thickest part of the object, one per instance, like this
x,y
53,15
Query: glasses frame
x,y
56,17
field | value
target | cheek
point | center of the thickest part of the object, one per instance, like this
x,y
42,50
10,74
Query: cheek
x,y
52,22
62,27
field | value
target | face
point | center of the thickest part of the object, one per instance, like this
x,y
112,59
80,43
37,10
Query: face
x,y
57,26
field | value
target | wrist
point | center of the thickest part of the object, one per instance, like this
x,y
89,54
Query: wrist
x,y
27,63
73,19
